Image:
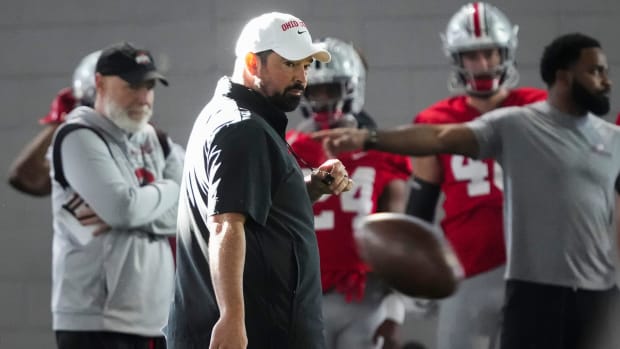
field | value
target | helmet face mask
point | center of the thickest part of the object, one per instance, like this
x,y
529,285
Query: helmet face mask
x,y
481,82
335,90
480,26
325,96
328,101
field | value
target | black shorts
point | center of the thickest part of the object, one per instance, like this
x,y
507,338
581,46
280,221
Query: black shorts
x,y
106,340
554,317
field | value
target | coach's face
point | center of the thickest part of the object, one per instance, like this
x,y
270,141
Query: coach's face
x,y
134,99
282,81
129,106
590,83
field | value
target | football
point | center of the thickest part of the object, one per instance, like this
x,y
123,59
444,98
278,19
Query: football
x,y
410,255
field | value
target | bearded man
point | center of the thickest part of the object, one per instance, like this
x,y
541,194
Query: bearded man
x,y
115,191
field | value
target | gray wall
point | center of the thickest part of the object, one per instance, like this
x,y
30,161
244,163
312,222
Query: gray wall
x,y
193,40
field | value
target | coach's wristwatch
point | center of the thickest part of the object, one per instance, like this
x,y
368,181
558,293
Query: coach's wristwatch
x,y
371,139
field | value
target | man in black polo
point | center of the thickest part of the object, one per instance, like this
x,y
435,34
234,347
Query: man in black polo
x,y
248,268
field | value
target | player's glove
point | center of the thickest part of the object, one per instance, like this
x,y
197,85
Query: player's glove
x,y
60,107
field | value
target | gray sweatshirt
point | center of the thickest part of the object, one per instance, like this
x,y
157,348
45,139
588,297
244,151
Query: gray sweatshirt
x,y
122,280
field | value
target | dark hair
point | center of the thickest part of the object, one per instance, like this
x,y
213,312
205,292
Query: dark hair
x,y
262,55
562,53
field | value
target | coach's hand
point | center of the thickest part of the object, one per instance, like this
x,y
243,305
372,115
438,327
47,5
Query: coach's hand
x,y
338,140
229,333
87,216
330,178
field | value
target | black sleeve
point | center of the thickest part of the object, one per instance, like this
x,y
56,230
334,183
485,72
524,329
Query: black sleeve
x,y
618,184
59,174
364,120
423,199
244,169
162,137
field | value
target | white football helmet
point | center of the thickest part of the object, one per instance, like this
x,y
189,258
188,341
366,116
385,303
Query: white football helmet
x,y
84,79
475,26
335,90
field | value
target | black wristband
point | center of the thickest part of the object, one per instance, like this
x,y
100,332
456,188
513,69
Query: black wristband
x,y
371,141
423,199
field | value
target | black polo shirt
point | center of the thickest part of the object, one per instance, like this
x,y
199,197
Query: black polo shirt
x,y
238,161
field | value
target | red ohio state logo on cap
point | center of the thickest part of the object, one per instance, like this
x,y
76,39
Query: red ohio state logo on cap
x,y
142,58
292,24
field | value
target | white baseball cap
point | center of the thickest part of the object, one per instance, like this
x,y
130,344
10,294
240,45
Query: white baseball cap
x,y
285,34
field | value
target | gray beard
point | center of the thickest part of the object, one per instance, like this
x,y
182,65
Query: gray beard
x,y
120,117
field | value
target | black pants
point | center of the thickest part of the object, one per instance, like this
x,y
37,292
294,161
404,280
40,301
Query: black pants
x,y
106,340
539,316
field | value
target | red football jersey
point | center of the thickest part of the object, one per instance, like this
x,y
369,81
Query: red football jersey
x,y
335,216
473,206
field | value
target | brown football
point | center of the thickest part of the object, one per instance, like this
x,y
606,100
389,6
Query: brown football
x,y
409,254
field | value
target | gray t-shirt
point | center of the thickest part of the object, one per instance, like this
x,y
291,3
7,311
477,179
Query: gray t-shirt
x,y
559,174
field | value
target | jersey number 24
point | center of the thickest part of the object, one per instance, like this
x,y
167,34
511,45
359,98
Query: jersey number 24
x,y
357,200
